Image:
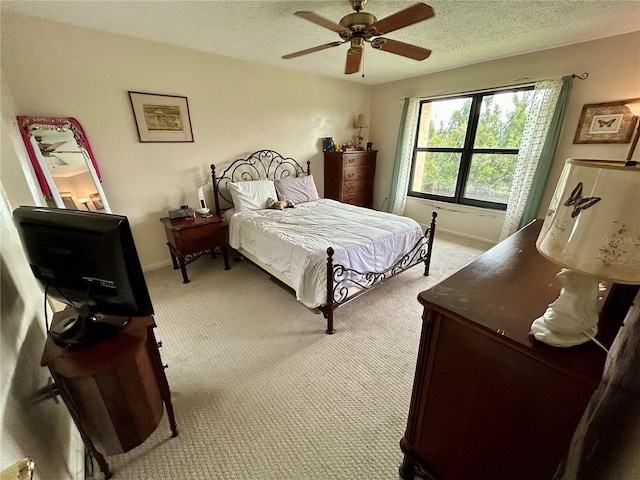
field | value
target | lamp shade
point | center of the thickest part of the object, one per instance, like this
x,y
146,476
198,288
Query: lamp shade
x,y
593,222
360,122
634,108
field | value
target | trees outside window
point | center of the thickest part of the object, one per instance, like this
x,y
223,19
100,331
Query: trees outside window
x,y
466,147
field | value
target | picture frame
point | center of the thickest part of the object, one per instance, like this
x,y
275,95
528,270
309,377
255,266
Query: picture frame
x,y
68,201
610,122
161,118
97,201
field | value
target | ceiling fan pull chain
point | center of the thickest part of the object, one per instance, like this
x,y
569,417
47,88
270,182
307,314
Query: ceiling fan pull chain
x,y
363,55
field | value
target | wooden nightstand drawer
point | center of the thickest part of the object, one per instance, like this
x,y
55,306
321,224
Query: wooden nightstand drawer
x,y
203,238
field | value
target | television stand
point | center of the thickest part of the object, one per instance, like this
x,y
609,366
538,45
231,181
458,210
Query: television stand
x,y
77,329
114,389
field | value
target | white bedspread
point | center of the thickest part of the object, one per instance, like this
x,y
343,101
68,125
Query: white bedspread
x,y
294,241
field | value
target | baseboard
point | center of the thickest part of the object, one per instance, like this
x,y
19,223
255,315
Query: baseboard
x,y
156,266
76,455
465,236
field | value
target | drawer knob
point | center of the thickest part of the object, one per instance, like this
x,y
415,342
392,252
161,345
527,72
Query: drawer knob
x,y
351,160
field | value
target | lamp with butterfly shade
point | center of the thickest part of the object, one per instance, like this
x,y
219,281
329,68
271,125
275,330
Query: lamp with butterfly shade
x,y
592,228
634,108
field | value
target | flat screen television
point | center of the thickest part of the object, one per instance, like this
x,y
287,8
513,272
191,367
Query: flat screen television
x,y
89,261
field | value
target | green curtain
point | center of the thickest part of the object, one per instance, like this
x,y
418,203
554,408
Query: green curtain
x,y
547,155
398,158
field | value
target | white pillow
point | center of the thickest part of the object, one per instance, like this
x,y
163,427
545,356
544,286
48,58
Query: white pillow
x,y
251,195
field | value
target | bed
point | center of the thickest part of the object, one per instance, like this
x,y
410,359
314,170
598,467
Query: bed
x,y
328,252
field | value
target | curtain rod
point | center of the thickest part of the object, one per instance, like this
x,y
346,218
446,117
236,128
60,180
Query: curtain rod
x,y
583,76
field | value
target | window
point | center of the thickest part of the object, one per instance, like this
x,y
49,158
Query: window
x,y
466,147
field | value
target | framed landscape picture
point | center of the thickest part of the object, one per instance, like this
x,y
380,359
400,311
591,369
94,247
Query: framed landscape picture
x,y
606,123
161,118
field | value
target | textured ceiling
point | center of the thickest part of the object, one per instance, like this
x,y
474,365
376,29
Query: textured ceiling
x,y
461,33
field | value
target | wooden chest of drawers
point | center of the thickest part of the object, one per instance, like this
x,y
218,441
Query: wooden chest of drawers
x,y
348,177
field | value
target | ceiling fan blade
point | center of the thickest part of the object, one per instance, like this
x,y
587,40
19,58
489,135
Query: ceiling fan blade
x,y
354,57
50,147
311,50
323,22
400,48
58,160
401,19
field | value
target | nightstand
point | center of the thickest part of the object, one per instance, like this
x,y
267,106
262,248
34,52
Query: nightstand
x,y
188,239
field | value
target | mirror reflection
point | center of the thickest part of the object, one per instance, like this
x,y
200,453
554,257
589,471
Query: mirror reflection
x,y
64,164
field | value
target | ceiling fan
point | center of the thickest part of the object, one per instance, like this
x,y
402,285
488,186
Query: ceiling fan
x,y
50,149
360,27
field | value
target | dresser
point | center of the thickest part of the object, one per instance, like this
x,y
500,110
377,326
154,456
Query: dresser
x,y
349,176
489,402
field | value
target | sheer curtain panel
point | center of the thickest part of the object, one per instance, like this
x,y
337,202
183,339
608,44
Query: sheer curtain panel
x,y
538,146
404,156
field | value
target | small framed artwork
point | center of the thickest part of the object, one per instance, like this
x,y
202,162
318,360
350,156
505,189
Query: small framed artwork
x,y
97,201
161,118
68,201
606,123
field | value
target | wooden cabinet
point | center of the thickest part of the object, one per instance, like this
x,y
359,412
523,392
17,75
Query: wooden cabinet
x,y
188,239
349,176
489,402
114,389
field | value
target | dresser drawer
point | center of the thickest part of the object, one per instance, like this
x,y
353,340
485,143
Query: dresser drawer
x,y
353,187
357,160
362,199
358,173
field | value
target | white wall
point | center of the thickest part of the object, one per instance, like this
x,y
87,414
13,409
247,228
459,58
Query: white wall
x,y
32,423
236,107
613,65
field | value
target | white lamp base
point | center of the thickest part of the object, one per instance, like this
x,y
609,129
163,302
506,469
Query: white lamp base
x,y
543,334
573,318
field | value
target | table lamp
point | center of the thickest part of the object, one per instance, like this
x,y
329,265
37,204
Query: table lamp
x,y
84,201
592,228
634,108
360,124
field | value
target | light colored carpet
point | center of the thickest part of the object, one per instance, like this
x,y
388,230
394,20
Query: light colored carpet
x,y
261,392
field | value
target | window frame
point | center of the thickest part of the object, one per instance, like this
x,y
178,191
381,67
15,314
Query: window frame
x,y
466,151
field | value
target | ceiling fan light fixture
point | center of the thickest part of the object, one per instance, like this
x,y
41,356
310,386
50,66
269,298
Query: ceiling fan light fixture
x,y
357,43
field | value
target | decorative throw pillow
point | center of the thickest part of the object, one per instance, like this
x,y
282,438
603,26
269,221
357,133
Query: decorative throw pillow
x,y
297,189
251,195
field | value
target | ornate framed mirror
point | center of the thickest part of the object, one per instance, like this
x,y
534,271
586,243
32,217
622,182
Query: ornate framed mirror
x,y
64,164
